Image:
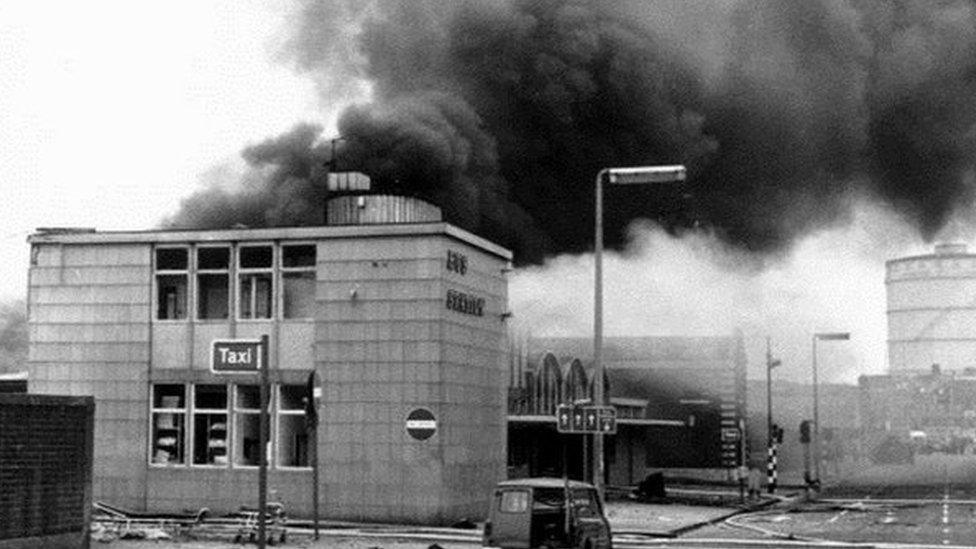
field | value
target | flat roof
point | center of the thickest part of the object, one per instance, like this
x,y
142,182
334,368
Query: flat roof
x,y
543,482
68,235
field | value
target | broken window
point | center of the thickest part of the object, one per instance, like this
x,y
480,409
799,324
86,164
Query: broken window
x,y
247,418
210,425
298,281
256,275
292,437
168,424
213,283
171,283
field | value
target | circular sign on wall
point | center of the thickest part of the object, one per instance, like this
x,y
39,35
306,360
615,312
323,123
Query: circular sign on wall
x,y
421,424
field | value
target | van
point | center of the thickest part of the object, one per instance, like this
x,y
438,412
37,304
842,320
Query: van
x,y
532,514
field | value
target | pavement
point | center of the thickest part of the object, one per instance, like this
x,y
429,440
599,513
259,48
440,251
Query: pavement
x,y
631,522
662,520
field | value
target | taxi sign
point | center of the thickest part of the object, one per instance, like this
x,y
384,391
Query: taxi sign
x,y
235,356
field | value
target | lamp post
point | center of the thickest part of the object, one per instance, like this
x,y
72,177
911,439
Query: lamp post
x,y
821,336
641,175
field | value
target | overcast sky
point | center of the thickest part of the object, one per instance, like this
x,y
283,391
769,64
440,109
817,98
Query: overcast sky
x,y
112,110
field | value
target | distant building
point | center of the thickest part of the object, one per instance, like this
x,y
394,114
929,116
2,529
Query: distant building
x,y
935,410
678,399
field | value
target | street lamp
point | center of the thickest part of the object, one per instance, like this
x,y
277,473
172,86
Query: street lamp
x,y
822,336
640,175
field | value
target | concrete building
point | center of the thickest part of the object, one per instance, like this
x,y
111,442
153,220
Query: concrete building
x,y
934,410
678,402
395,310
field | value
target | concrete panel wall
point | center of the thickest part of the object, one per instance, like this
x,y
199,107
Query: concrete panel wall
x,y
474,373
89,308
385,345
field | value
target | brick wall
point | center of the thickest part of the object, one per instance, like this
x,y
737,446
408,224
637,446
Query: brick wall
x,y
45,470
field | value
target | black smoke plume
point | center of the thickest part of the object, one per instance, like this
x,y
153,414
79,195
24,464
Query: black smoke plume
x,y
502,112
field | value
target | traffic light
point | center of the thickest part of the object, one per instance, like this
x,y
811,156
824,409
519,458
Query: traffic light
x,y
777,434
805,431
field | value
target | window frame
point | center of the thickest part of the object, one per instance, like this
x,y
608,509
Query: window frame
x,y
240,272
198,272
192,415
238,440
279,412
185,273
153,437
282,271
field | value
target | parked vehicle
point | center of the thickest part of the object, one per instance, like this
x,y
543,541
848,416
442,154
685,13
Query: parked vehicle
x,y
532,513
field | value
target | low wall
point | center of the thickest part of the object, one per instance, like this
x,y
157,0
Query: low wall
x,y
45,470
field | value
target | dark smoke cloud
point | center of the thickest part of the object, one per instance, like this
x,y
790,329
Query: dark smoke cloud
x,y
285,188
502,112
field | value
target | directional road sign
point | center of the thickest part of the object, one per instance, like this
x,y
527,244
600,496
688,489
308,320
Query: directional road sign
x,y
585,418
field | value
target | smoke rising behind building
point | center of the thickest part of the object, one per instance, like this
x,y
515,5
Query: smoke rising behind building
x,y
503,112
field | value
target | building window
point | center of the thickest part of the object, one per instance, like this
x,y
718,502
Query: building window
x,y
213,281
298,281
168,424
247,418
256,275
292,437
210,425
171,283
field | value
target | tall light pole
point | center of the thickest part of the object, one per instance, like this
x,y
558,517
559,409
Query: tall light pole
x,y
821,336
640,175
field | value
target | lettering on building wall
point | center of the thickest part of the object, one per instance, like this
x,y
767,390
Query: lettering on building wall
x,y
457,262
465,303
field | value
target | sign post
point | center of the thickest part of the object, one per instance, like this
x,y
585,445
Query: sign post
x,y
263,444
250,356
312,395
586,419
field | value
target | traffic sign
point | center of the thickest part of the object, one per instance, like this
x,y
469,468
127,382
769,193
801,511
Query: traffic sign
x,y
421,424
608,420
584,418
564,418
236,356
730,434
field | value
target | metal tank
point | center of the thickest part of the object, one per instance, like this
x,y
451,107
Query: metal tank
x,y
369,209
932,310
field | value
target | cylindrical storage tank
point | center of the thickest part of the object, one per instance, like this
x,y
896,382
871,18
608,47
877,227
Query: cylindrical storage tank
x,y
372,209
932,310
